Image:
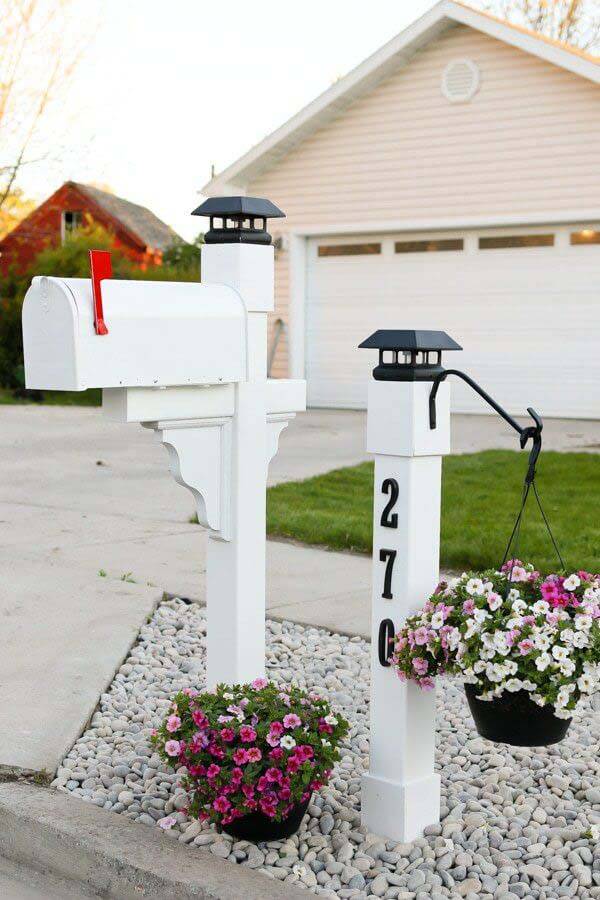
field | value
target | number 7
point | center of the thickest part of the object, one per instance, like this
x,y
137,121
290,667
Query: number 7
x,y
389,558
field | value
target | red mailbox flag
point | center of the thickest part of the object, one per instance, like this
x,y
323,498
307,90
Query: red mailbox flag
x,y
101,267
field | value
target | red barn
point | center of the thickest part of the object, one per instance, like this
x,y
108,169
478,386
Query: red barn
x,y
138,232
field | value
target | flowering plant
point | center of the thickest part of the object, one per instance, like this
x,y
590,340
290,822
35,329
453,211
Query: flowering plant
x,y
512,630
250,748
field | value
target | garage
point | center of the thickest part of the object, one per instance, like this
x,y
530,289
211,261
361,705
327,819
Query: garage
x,y
523,302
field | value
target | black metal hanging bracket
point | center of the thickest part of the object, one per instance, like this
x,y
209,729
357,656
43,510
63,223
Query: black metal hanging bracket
x,y
533,432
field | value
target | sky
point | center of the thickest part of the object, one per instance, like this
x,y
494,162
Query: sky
x,y
165,90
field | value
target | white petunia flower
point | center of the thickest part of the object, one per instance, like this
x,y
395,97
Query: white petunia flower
x,y
571,583
513,685
331,719
537,698
563,713
518,604
581,640
567,635
494,601
453,638
567,668
583,623
474,586
541,641
540,608
543,661
437,620
287,741
586,684
560,653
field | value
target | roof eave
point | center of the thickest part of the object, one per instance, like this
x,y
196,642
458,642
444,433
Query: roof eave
x,y
396,52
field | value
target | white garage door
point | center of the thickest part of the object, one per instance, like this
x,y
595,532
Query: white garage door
x,y
524,304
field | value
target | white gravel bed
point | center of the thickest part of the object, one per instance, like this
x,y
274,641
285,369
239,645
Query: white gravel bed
x,y
512,819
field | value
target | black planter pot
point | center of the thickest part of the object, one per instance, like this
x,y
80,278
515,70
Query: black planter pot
x,y
515,719
257,827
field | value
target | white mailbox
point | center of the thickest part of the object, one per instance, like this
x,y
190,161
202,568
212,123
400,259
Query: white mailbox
x,y
189,361
158,333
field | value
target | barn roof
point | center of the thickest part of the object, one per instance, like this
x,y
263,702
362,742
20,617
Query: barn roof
x,y
394,55
138,220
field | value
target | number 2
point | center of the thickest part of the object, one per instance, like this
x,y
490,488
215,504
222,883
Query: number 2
x,y
390,486
389,558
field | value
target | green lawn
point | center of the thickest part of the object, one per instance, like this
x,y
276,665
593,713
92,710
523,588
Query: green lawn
x,y
481,494
92,397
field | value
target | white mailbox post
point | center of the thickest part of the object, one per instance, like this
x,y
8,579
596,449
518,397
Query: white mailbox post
x,y
188,360
401,791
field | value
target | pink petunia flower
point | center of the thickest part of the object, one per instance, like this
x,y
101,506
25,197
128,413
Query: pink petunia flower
x,y
221,804
213,770
240,756
525,646
276,729
292,721
247,734
173,723
199,718
421,636
259,683
420,665
172,748
167,822
254,754
227,734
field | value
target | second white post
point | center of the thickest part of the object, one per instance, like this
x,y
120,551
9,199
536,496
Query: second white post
x,y
401,791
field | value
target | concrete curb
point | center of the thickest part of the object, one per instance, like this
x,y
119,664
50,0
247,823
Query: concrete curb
x,y
120,859
277,617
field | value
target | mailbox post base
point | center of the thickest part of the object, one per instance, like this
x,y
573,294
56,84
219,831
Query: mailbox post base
x,y
400,811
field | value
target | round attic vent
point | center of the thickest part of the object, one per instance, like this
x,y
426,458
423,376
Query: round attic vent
x,y
460,80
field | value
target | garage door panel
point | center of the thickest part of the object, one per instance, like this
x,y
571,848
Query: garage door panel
x,y
528,319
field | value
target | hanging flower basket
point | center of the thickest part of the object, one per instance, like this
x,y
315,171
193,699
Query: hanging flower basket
x,y
515,719
253,754
526,646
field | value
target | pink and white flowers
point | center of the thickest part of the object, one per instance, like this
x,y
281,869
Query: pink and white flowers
x,y
512,630
250,748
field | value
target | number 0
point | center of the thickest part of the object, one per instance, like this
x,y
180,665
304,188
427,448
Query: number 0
x,y
389,558
390,486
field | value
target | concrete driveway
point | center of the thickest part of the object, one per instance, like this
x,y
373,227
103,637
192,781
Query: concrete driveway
x,y
93,530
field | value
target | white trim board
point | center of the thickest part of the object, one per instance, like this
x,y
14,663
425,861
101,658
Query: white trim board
x,y
451,223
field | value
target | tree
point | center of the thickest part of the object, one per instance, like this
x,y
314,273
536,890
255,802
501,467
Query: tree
x,y
15,208
572,22
40,45
184,255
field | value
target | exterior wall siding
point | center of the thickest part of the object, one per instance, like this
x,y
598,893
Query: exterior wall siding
x,y
526,143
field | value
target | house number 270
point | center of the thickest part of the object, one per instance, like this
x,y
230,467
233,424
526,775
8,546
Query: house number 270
x,y
389,519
